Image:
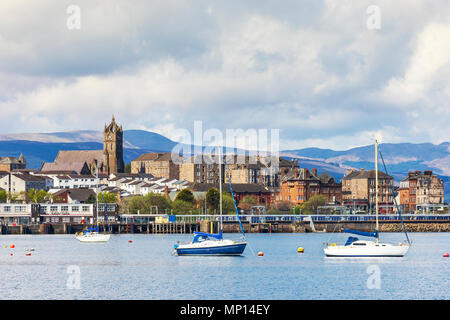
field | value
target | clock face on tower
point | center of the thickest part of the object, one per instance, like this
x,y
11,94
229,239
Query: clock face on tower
x,y
109,137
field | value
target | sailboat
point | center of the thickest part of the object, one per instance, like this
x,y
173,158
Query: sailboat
x,y
93,234
210,244
362,248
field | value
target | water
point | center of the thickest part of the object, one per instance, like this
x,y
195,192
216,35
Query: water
x,y
146,269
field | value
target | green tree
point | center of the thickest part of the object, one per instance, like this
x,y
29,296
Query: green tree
x,y
310,206
158,200
212,199
107,197
127,168
182,207
228,204
3,196
13,197
247,203
137,205
185,195
37,196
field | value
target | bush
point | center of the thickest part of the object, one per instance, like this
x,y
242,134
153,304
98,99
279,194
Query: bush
x,y
185,195
182,207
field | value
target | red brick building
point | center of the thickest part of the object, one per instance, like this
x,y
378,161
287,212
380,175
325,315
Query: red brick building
x,y
303,184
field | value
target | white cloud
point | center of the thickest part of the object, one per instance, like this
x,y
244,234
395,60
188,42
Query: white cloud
x,y
312,70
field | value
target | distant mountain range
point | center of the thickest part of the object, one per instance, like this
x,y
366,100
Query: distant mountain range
x,y
399,157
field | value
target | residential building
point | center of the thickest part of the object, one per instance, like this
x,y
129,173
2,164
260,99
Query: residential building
x,y
359,186
261,194
301,184
156,164
198,169
8,164
423,192
73,196
20,182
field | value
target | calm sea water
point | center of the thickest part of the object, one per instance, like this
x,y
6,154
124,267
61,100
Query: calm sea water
x,y
146,269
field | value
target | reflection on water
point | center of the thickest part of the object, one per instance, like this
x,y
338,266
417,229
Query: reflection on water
x,y
146,269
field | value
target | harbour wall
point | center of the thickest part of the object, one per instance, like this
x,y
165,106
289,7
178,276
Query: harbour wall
x,y
230,227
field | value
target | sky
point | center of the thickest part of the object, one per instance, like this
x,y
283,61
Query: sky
x,y
331,74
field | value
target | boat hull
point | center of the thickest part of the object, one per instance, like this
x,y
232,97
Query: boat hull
x,y
218,250
94,238
372,251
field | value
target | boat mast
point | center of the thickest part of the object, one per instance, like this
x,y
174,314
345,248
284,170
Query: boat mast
x,y
376,185
96,196
220,186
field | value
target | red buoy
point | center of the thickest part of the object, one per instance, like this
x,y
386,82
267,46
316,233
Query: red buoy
x,y
445,255
130,241
28,254
11,254
260,254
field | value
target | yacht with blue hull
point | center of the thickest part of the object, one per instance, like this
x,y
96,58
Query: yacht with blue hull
x,y
211,245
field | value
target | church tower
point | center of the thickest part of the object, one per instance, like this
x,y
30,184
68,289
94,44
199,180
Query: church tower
x,y
113,148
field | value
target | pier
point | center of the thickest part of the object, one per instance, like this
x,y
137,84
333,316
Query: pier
x,y
187,224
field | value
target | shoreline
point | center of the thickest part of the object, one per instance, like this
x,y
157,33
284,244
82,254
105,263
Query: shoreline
x,y
229,227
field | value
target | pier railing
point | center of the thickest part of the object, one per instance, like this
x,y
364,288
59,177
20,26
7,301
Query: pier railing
x,y
151,218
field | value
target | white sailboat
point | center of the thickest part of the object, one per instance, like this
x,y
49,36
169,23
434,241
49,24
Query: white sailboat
x,y
92,235
361,248
207,244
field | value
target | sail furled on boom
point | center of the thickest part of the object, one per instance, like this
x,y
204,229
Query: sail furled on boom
x,y
363,233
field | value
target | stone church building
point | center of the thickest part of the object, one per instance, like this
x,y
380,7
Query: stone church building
x,y
108,161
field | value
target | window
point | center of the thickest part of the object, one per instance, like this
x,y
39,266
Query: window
x,y
75,209
64,209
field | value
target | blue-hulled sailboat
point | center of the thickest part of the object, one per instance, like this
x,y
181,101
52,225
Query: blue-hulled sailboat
x,y
210,244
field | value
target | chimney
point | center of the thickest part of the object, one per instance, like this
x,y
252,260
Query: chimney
x,y
166,192
295,173
314,171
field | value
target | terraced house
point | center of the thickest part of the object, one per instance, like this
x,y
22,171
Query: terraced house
x,y
156,164
300,185
358,186
421,192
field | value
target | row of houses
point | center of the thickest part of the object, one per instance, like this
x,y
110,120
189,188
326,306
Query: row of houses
x,y
420,191
204,169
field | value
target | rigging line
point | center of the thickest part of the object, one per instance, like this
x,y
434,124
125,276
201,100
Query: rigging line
x,y
234,201
395,202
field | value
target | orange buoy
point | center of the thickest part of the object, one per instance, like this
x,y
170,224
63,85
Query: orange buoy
x,y
12,246
400,244
445,255
260,254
